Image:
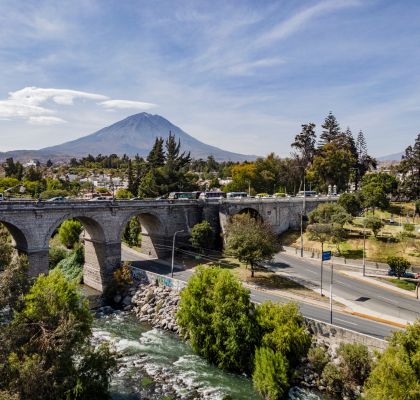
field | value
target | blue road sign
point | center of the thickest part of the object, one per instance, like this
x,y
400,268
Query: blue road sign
x,y
326,255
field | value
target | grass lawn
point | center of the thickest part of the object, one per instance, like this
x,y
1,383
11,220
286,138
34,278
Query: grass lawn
x,y
401,283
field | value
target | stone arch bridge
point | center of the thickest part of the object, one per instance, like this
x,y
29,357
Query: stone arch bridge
x,y
32,225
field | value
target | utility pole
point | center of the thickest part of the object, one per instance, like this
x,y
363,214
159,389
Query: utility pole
x,y
173,252
331,293
322,263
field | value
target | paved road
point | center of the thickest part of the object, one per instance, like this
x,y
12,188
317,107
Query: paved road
x,y
361,325
373,297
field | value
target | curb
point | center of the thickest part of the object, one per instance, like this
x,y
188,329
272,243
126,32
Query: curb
x,y
377,319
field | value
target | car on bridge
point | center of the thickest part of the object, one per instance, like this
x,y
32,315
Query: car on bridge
x,y
56,199
101,198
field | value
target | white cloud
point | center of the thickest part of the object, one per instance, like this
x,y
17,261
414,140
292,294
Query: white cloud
x,y
44,120
35,96
248,68
126,104
298,21
34,104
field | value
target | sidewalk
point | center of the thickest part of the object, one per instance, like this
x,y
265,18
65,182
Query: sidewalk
x,y
379,268
370,279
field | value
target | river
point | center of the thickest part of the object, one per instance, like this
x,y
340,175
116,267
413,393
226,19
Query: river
x,y
150,353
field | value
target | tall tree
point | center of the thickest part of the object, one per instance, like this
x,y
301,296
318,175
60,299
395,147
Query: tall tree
x,y
130,178
364,161
331,129
410,168
156,157
305,144
250,240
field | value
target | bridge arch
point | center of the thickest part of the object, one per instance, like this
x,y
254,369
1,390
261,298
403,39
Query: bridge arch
x,y
153,232
254,213
18,235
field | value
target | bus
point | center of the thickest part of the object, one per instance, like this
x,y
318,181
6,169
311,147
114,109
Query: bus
x,y
236,195
212,195
183,195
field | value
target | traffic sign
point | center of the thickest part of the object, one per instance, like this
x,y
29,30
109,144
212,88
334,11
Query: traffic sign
x,y
326,255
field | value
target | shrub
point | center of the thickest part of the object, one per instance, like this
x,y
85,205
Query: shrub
x,y
374,224
409,227
282,329
123,194
319,358
55,255
398,265
202,235
351,202
355,362
69,232
396,375
270,373
49,194
72,266
333,378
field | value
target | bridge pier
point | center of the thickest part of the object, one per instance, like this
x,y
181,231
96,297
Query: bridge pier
x,y
101,260
37,260
157,246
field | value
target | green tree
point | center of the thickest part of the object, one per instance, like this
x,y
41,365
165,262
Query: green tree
x,y
216,315
132,233
376,188
329,213
396,375
332,166
355,362
6,248
398,265
282,329
364,161
148,187
305,144
47,353
69,232
410,168
250,240
156,157
351,202
331,129
14,284
123,194
202,236
270,376
373,223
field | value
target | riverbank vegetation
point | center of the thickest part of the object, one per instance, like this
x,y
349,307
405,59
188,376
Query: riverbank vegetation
x,y
270,342
45,331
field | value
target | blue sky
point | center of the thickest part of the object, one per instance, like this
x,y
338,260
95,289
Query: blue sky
x,y
241,75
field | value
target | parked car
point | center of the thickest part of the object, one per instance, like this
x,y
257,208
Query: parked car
x,y
101,198
411,275
136,198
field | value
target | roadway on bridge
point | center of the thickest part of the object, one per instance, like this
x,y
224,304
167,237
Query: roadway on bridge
x,y
371,297
362,325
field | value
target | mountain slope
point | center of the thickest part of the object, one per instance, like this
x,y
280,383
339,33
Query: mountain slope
x,y
136,134
391,157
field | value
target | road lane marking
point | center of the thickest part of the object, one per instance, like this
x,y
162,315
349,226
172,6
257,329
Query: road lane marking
x,y
346,322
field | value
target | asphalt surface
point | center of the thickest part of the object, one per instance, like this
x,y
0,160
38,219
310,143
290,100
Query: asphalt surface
x,y
367,295
362,325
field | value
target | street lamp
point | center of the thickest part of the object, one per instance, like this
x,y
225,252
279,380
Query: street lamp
x,y
173,252
364,246
301,214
